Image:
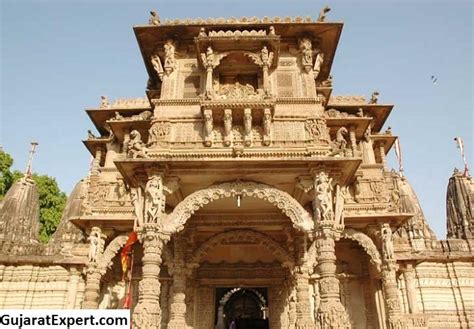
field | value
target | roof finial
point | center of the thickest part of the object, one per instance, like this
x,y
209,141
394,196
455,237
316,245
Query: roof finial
x,y
322,14
28,171
460,144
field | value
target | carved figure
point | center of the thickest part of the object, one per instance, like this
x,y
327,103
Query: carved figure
x,y
202,33
170,60
323,197
248,126
271,30
339,205
317,64
95,245
136,147
90,135
238,91
360,112
340,143
267,126
387,242
306,49
117,117
374,98
156,62
137,202
159,131
154,18
154,199
322,14
227,127
208,128
104,102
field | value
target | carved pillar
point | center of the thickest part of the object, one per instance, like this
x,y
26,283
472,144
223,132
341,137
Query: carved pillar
x,y
248,127
165,285
178,298
352,137
74,277
409,276
275,307
303,311
95,168
389,279
331,312
383,160
227,127
94,272
147,313
267,127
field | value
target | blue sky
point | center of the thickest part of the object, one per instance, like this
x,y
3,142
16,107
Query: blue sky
x,y
58,57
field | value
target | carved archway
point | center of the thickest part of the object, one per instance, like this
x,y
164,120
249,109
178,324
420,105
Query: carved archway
x,y
255,237
228,295
300,218
366,243
105,260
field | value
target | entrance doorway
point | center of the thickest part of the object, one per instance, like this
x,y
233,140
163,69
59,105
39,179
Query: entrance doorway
x,y
246,307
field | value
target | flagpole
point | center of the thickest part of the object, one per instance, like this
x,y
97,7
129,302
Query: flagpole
x,y
460,144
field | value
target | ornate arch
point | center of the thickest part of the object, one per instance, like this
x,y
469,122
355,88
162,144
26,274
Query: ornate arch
x,y
300,218
255,237
105,260
366,243
231,292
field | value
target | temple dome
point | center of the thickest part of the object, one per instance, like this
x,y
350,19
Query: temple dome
x,y
459,206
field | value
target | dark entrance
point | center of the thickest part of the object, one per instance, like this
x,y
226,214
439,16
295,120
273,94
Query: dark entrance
x,y
247,307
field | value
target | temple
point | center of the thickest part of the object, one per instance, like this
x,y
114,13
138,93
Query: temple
x,y
258,197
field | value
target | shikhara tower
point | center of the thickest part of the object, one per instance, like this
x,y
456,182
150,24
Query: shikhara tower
x,y
257,195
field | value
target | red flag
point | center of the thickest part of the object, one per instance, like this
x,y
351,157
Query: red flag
x,y
126,251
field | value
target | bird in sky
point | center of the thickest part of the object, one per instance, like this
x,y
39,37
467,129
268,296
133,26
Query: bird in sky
x,y
434,79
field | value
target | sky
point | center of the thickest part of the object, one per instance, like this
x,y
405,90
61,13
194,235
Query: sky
x,y
57,58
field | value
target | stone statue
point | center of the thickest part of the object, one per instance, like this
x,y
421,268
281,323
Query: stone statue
x,y
322,14
104,102
154,18
271,30
360,112
387,242
154,199
374,98
248,126
227,127
323,197
156,62
95,245
306,49
267,126
136,198
136,147
170,60
117,117
208,128
317,64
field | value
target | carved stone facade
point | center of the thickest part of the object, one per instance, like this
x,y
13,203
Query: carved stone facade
x,y
257,196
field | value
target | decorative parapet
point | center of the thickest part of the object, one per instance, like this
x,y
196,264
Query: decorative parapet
x,y
241,20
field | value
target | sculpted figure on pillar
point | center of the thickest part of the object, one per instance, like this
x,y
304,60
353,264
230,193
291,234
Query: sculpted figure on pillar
x,y
154,199
227,127
248,127
306,49
208,128
170,60
210,61
264,60
156,62
267,126
136,196
323,197
387,242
